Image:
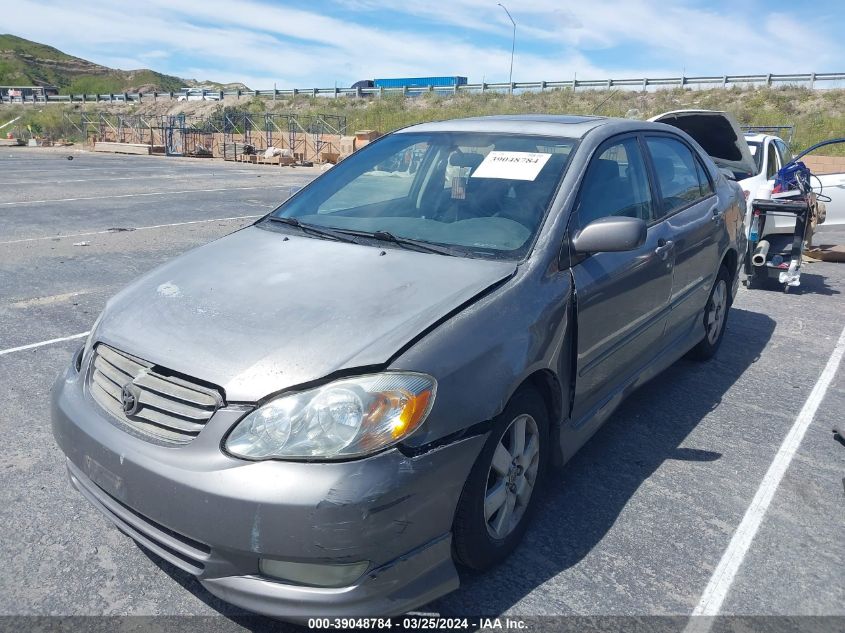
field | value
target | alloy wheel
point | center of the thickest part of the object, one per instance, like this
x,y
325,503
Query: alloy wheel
x,y
512,476
715,317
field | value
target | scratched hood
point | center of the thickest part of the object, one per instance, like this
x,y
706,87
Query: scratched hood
x,y
255,313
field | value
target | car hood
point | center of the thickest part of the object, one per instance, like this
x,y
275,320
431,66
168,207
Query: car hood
x,y
719,136
255,313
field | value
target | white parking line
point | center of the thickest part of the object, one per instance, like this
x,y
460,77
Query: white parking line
x,y
48,301
720,582
149,193
137,169
137,228
12,350
166,176
103,169
163,175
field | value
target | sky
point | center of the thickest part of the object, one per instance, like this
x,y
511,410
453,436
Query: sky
x,y
326,43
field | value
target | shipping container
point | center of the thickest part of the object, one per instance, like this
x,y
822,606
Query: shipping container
x,y
420,82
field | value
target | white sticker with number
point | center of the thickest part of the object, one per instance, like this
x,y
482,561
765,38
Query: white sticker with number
x,y
511,165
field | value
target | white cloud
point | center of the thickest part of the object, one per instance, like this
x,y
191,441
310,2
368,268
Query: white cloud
x,y
261,43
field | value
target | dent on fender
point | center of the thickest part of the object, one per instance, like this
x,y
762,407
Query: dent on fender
x,y
390,495
526,333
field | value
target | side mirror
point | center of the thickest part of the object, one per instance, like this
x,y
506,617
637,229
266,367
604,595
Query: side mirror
x,y
610,234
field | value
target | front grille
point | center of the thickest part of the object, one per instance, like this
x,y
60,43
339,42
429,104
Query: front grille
x,y
167,407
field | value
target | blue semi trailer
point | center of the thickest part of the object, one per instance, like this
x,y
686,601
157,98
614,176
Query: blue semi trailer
x,y
419,82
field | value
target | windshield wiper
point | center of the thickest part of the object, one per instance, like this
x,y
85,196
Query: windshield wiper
x,y
406,242
312,228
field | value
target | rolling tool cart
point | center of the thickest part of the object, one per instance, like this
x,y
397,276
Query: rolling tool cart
x,y
779,257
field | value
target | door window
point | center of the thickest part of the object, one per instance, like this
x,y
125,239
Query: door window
x,y
677,172
616,184
771,162
785,154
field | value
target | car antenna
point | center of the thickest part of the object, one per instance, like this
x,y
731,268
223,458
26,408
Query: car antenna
x,y
608,98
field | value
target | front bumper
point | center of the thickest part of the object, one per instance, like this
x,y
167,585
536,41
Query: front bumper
x,y
214,516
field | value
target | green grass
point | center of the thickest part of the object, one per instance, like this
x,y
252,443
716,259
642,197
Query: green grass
x,y
816,115
27,47
117,82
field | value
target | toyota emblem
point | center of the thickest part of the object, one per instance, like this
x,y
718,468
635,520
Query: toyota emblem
x,y
129,399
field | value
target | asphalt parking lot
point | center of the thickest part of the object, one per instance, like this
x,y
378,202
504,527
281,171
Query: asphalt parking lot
x,y
635,524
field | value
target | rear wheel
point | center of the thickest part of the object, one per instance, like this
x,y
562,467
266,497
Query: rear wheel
x,y
501,491
715,317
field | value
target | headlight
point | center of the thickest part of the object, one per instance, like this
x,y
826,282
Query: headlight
x,y
346,418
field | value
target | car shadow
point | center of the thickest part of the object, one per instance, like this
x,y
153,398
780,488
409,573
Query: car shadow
x,y
589,493
591,490
812,283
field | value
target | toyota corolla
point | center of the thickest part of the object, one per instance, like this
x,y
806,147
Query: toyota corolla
x,y
330,411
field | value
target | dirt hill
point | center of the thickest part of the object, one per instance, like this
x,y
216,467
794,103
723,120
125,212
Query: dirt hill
x,y
23,62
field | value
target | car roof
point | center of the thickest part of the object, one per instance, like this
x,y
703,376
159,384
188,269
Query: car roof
x,y
759,137
563,125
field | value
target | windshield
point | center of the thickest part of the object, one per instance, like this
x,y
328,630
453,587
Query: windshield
x,y
757,152
477,194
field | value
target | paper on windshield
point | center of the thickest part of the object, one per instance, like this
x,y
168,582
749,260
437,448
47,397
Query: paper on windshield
x,y
511,165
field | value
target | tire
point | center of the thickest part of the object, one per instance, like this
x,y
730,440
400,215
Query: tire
x,y
715,317
482,539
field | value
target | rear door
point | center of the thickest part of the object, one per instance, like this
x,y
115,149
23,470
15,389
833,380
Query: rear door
x,y
621,298
690,211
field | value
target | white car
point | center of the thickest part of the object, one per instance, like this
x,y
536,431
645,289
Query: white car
x,y
198,97
770,154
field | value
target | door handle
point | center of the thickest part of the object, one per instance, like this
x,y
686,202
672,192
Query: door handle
x,y
663,248
715,215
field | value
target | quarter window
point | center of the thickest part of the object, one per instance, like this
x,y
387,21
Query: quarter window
x,y
616,184
704,184
677,171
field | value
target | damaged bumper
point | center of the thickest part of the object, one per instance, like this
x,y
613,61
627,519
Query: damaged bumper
x,y
216,517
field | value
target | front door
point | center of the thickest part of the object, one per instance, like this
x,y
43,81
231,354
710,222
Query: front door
x,y
621,298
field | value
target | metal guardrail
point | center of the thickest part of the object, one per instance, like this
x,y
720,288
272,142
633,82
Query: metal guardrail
x,y
572,84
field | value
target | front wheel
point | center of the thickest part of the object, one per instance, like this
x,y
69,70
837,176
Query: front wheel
x,y
715,317
501,490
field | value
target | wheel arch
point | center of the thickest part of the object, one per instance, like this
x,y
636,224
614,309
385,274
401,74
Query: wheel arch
x,y
547,384
730,260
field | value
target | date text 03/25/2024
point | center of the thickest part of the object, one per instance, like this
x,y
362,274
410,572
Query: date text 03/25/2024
x,y
418,623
